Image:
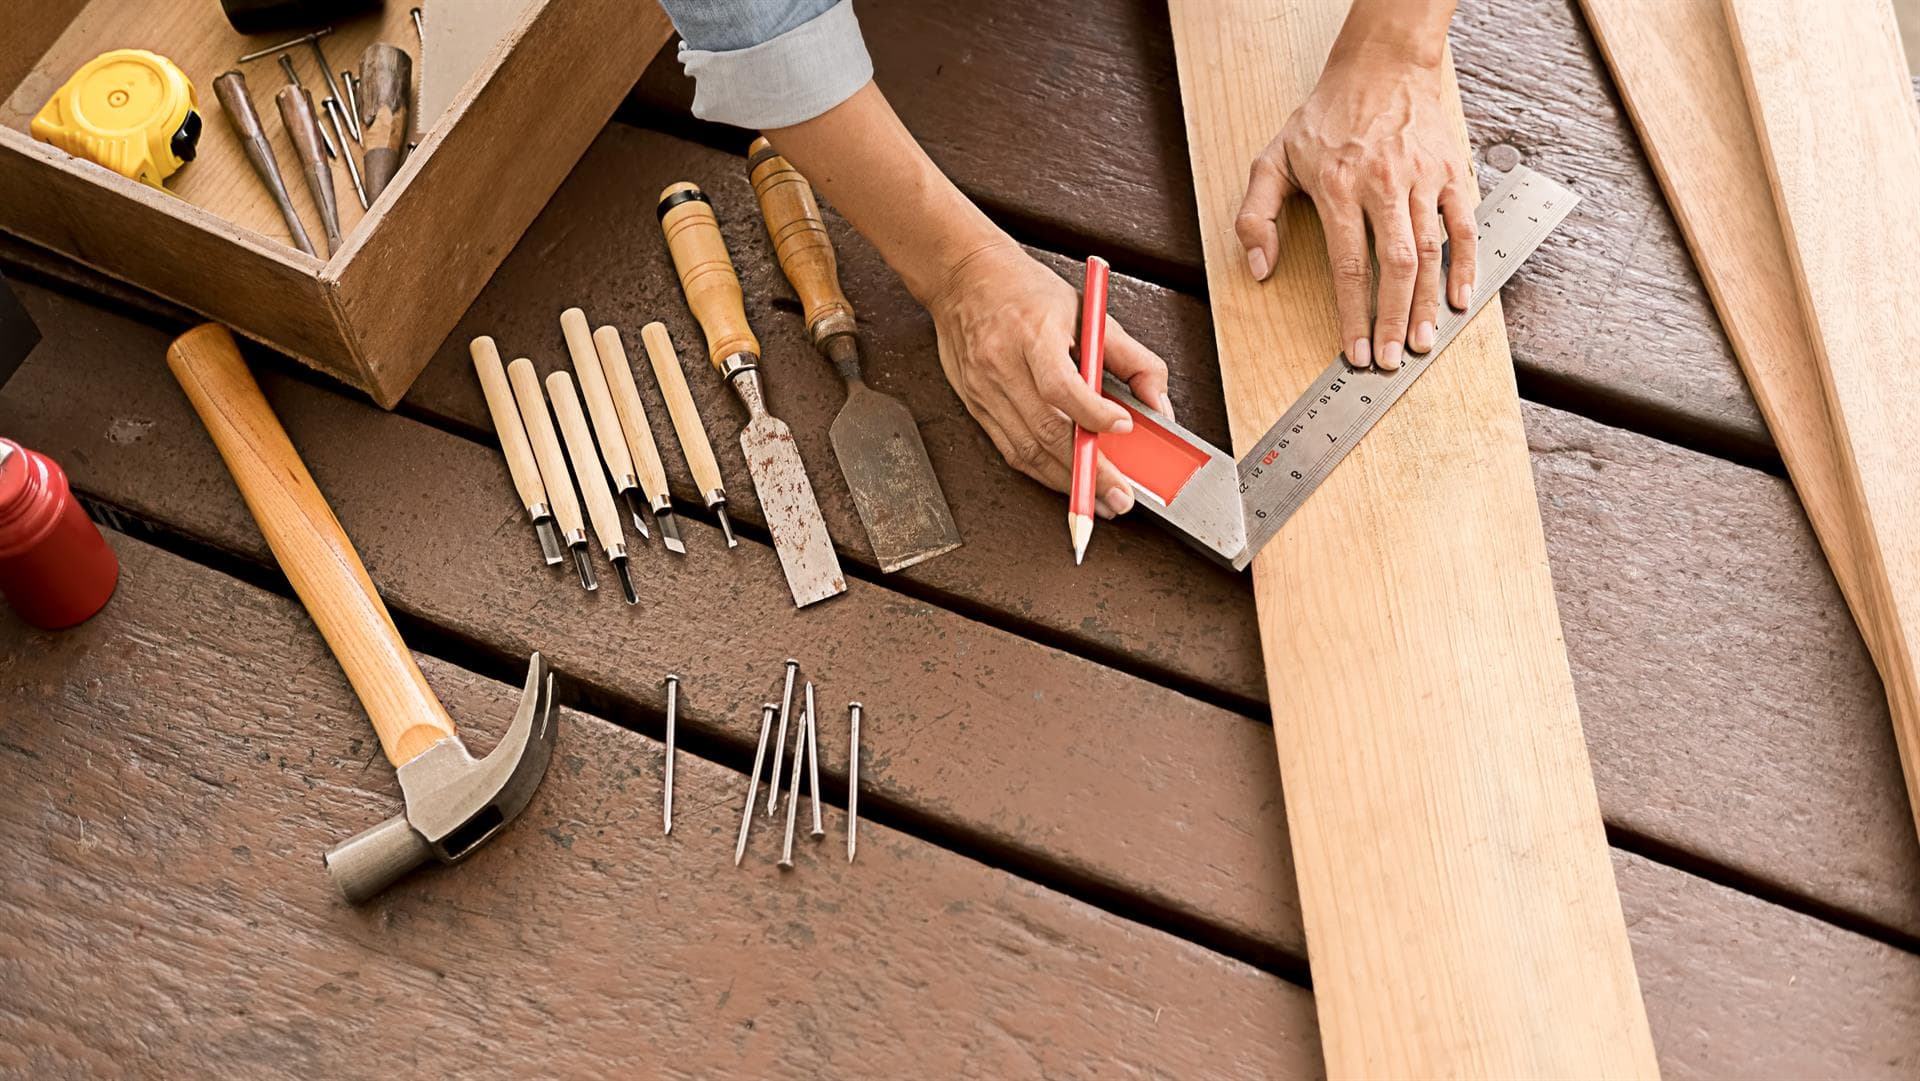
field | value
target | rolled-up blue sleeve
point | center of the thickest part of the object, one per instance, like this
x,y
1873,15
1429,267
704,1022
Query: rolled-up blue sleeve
x,y
769,63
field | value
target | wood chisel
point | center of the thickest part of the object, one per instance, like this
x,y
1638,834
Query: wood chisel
x,y
601,510
773,460
601,410
521,465
874,437
553,466
1230,509
665,361
638,429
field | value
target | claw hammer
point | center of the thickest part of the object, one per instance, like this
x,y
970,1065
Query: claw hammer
x,y
453,800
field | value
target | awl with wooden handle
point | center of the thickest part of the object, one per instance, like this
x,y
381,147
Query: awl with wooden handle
x,y
600,409
665,361
386,74
553,466
521,465
874,437
601,510
639,434
773,460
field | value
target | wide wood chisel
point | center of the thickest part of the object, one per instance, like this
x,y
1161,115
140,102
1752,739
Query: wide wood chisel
x,y
874,437
665,361
604,414
521,465
773,460
639,434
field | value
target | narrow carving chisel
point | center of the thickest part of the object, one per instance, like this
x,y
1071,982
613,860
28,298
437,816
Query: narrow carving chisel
x,y
600,408
521,465
638,429
665,362
553,466
591,478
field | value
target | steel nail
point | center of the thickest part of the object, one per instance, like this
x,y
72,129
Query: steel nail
x,y
793,791
853,778
673,702
753,783
813,764
780,745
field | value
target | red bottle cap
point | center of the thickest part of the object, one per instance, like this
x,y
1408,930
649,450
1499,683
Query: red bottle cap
x,y
55,567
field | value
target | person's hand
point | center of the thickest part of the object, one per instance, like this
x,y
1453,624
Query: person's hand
x,y
1007,328
1374,149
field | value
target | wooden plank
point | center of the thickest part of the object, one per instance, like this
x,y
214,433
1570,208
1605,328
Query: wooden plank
x,y
999,92
1713,784
1831,96
164,814
1447,837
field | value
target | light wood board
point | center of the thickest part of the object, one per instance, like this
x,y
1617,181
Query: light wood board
x,y
1460,910
1832,104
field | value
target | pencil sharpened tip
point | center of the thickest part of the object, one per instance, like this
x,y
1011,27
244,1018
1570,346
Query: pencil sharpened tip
x,y
1081,527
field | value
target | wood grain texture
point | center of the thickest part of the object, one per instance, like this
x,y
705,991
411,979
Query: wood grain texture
x,y
169,913
671,380
1062,119
507,425
1830,96
1460,907
630,412
1734,985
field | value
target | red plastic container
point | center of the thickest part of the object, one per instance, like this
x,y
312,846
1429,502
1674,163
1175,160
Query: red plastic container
x,y
55,567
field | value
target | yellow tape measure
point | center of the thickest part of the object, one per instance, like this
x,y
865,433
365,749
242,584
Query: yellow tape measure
x,y
129,110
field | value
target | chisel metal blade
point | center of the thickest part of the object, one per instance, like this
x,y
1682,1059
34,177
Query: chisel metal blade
x,y
636,503
793,516
894,488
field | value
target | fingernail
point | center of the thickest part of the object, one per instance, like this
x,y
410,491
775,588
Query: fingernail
x,y
1390,357
1257,263
1123,425
1462,294
1101,510
1165,407
1360,354
1120,500
1422,339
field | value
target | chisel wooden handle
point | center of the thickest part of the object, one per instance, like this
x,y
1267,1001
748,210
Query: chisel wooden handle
x,y
665,362
632,412
800,241
586,465
593,390
546,449
706,272
386,78
312,549
506,423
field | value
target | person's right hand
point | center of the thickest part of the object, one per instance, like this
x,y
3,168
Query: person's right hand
x,y
1006,326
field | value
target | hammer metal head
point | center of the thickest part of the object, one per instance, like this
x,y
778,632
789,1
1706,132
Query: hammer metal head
x,y
454,801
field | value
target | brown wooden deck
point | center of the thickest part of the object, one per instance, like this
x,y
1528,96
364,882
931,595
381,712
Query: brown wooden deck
x,y
1046,885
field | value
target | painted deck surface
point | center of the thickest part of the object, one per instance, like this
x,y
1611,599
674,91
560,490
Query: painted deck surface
x,y
1047,884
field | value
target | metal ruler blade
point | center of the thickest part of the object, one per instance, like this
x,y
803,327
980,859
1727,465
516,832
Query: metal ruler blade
x,y
1287,464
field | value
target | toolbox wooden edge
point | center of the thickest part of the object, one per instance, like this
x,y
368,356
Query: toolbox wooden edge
x,y
470,218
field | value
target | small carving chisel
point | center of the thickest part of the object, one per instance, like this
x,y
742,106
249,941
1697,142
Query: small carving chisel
x,y
591,478
600,408
638,429
665,362
521,465
553,466
231,89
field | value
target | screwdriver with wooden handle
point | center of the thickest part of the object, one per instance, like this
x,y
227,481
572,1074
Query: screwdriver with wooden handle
x,y
553,467
600,409
513,443
874,437
639,433
773,460
601,510
665,361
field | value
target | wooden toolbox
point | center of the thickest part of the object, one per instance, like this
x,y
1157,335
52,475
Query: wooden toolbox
x,y
377,309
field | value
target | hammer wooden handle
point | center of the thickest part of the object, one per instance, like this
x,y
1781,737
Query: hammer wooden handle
x,y
706,272
800,240
586,465
546,449
506,422
686,419
313,550
633,413
594,391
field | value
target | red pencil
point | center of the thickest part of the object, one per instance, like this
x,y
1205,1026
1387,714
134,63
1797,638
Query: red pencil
x,y
1093,344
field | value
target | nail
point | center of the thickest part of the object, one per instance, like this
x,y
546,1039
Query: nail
x,y
780,744
1390,357
1422,339
1120,500
1360,354
1462,295
1257,263
853,776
